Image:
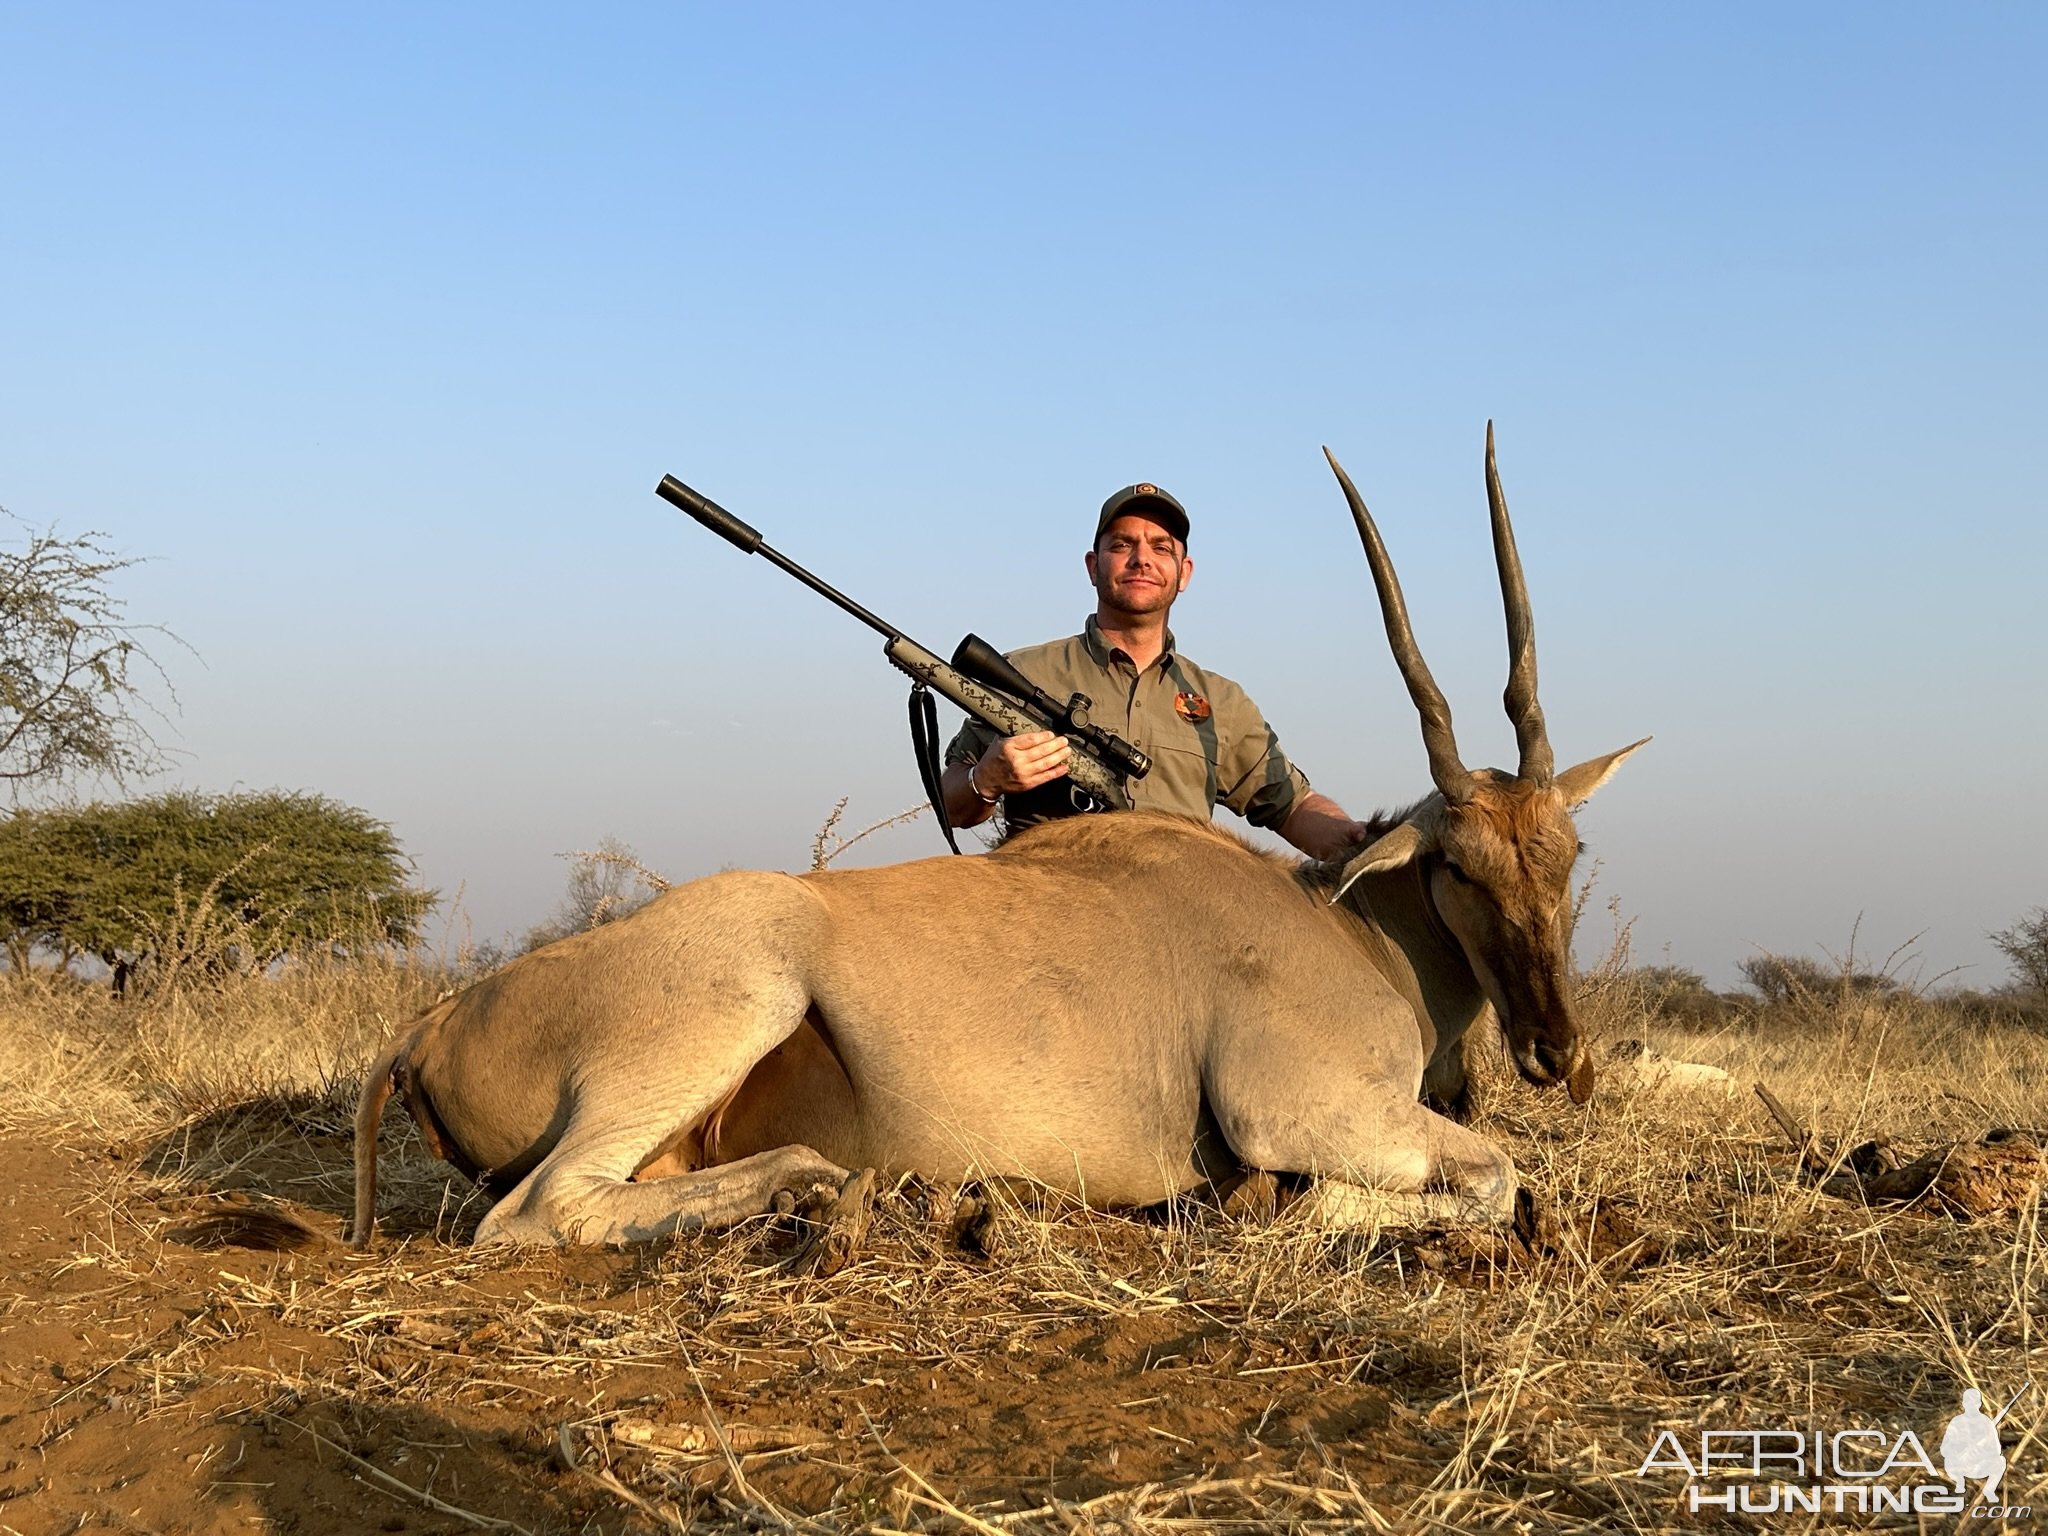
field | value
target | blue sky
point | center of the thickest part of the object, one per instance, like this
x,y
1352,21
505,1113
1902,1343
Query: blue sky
x,y
375,328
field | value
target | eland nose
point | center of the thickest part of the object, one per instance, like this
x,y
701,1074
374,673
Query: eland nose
x,y
1555,1059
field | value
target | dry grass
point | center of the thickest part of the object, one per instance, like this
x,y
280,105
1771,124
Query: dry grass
x,y
1169,1371
74,1056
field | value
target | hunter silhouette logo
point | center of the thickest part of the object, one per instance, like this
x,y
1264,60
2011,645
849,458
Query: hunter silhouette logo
x,y
1970,1448
1842,1471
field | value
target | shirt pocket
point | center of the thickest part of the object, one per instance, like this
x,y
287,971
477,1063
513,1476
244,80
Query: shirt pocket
x,y
1181,781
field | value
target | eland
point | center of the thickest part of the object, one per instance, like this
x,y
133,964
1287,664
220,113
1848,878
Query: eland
x,y
1122,1007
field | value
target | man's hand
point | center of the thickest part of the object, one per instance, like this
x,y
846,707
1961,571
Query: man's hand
x,y
1022,762
1009,765
1321,828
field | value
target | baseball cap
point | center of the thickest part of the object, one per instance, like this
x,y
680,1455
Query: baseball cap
x,y
1148,501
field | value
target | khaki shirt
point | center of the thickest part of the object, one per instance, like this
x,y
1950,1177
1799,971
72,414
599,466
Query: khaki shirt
x,y
1208,743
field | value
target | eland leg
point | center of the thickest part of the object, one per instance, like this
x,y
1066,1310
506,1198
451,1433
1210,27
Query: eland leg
x,y
1439,1173
629,1117
583,1198
1380,1158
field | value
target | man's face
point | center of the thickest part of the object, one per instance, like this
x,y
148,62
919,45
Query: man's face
x,y
1137,567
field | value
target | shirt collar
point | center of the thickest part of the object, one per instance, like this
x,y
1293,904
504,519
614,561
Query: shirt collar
x,y
1101,650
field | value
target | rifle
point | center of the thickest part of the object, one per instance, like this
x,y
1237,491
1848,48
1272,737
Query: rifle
x,y
979,680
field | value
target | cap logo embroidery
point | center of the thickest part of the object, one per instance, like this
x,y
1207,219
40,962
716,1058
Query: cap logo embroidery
x,y
1191,707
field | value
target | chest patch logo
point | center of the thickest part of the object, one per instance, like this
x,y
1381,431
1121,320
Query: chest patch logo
x,y
1191,707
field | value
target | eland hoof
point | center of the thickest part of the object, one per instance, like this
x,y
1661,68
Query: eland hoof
x,y
974,1224
1255,1199
841,1225
1535,1223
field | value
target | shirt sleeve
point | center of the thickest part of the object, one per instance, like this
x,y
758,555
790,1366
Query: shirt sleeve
x,y
969,742
1253,776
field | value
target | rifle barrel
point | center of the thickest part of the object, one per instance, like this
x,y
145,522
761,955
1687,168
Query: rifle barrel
x,y
1101,759
749,541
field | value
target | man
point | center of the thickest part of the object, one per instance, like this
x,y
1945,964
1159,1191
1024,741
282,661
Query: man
x,y
1207,741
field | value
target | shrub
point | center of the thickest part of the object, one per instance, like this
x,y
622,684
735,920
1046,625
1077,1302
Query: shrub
x,y
1677,993
1781,979
603,887
2025,944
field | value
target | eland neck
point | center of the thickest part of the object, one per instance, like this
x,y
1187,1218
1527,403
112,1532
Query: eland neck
x,y
1397,925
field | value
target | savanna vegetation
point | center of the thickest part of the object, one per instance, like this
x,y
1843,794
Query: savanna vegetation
x,y
1169,1370
1701,1266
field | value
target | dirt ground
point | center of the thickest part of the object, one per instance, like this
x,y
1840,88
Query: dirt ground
x,y
1167,1371
150,1385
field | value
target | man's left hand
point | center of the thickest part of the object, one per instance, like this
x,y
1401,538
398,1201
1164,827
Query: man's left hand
x,y
1323,829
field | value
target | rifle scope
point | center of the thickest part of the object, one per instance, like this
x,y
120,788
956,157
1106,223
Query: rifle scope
x,y
985,664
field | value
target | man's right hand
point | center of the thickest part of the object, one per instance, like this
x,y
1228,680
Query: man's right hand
x,y
1022,762
1012,764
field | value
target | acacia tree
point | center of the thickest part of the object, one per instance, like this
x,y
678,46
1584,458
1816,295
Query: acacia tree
x,y
181,881
69,661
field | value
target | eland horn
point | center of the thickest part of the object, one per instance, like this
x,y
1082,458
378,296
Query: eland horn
x,y
1531,737
1449,774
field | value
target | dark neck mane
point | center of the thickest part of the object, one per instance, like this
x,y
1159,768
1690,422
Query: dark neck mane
x,y
1329,873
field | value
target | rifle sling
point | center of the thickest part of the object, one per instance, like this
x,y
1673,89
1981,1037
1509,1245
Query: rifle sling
x,y
924,743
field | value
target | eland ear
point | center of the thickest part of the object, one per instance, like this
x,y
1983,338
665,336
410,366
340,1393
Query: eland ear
x,y
1401,846
1578,783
